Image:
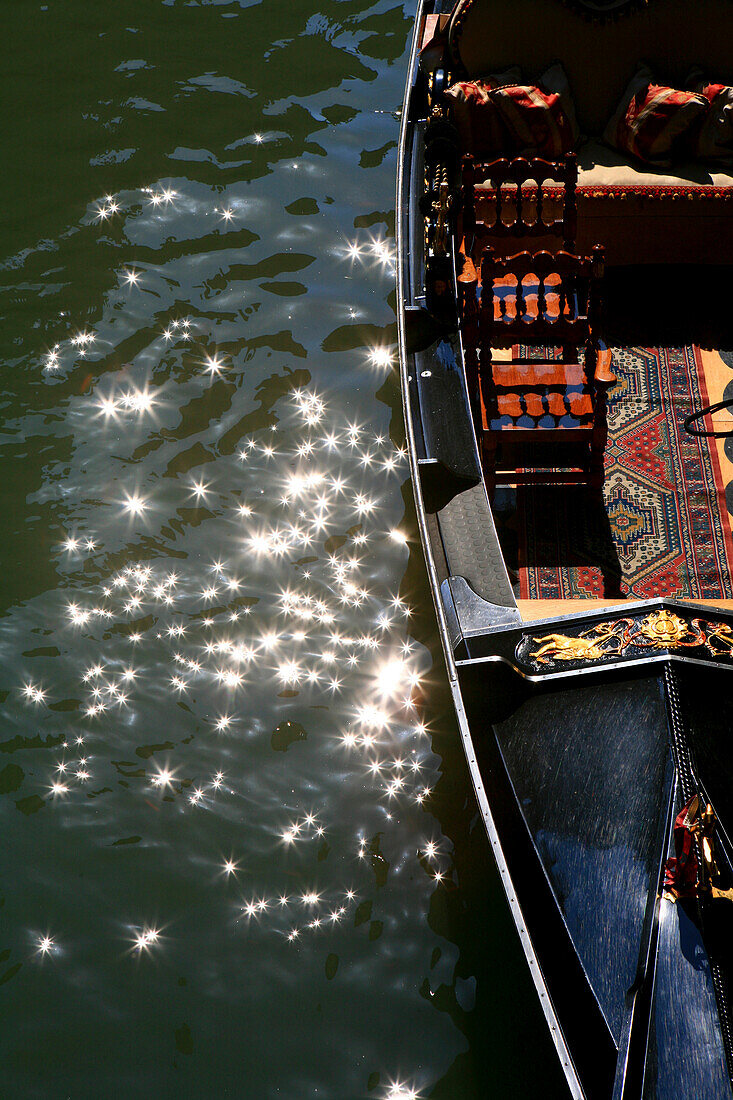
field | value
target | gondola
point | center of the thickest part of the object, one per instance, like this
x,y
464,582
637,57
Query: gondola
x,y
584,603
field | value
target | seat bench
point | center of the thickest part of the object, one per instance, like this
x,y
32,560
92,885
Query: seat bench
x,y
640,213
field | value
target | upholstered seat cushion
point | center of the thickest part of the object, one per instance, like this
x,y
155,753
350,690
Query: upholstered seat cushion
x,y
610,171
641,214
644,214
603,167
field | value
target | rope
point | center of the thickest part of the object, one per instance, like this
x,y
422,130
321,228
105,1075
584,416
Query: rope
x,y
680,748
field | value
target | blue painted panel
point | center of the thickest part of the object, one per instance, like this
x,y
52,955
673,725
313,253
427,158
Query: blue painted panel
x,y
591,768
686,1060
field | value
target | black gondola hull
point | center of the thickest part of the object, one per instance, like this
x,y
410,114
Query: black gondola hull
x,y
572,753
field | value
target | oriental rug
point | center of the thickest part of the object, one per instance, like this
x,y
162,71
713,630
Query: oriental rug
x,y
662,527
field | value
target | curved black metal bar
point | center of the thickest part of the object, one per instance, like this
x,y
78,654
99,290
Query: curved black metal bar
x,y
709,411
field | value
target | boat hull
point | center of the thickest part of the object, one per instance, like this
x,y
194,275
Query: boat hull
x,y
574,748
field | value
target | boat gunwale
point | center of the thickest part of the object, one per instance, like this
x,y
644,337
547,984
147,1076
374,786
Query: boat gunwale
x,y
467,628
402,209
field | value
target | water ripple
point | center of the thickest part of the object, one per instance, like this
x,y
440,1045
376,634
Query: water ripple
x,y
227,765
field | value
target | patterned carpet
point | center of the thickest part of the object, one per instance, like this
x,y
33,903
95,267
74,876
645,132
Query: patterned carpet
x,y
662,528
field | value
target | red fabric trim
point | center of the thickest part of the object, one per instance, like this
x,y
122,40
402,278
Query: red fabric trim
x,y
680,870
712,91
652,191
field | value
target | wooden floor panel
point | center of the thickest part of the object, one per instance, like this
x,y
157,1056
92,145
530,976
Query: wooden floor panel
x,y
533,610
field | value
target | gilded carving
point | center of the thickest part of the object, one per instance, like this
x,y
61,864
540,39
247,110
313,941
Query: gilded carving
x,y
661,629
723,635
587,646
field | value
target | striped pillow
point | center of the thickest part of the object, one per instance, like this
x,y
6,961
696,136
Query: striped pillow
x,y
652,119
540,118
476,116
712,139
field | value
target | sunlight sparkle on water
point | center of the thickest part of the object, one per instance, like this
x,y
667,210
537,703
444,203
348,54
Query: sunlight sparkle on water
x,y
145,940
163,778
381,357
330,628
34,693
396,1090
135,504
214,364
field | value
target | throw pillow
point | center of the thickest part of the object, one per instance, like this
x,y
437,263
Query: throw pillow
x,y
652,119
540,118
712,138
476,116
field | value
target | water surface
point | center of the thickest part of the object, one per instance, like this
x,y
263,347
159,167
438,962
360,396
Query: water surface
x,y
241,855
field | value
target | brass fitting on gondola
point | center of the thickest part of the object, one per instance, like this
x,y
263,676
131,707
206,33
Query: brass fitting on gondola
x,y
439,200
442,217
710,870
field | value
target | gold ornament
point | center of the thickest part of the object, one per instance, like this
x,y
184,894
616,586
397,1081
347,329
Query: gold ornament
x,y
659,630
663,628
586,647
723,634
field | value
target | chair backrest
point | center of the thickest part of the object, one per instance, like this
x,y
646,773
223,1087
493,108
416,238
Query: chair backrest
x,y
567,289
518,199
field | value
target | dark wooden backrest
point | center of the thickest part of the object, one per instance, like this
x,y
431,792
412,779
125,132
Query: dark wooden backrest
x,y
517,179
504,314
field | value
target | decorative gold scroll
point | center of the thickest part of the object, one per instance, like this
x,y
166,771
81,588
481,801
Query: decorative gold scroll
x,y
614,638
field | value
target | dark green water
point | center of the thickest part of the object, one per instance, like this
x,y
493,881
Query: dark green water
x,y
240,855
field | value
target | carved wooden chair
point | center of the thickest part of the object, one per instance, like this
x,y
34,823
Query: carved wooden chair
x,y
541,409
522,201
513,209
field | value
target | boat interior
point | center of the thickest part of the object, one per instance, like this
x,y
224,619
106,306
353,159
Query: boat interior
x,y
567,357
652,521
586,828
658,522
